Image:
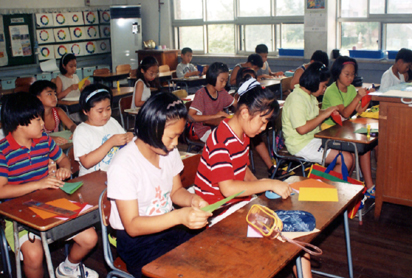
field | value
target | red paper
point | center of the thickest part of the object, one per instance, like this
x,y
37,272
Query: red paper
x,y
366,99
336,117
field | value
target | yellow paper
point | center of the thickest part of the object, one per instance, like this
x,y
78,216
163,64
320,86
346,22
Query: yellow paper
x,y
318,194
81,83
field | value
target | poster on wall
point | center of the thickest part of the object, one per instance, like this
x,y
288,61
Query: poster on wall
x,y
103,46
61,49
89,48
315,4
3,54
105,31
46,52
92,32
75,18
45,36
61,19
105,16
78,33
62,34
44,20
90,18
20,40
77,49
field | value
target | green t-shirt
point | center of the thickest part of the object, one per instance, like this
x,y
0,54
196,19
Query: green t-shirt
x,y
334,97
299,108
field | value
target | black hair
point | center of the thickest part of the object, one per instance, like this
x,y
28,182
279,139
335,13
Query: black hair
x,y
244,74
259,100
19,109
261,48
404,54
186,50
40,85
255,60
320,56
313,76
338,65
146,63
153,116
99,91
66,58
213,72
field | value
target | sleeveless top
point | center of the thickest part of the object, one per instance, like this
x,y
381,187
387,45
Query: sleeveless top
x,y
67,82
145,95
56,121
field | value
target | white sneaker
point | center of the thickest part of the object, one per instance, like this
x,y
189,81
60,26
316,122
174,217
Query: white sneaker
x,y
61,272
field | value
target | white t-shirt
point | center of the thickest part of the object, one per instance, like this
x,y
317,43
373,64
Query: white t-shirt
x,y
182,69
66,83
132,177
145,95
87,138
389,79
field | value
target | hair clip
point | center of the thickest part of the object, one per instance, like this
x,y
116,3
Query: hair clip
x,y
173,104
349,63
322,67
247,86
96,92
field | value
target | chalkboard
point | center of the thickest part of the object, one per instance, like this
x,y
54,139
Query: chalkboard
x,y
20,21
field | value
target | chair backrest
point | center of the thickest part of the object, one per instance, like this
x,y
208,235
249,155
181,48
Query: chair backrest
x,y
133,73
123,68
104,208
24,81
164,68
124,103
180,93
187,176
74,165
101,71
24,88
285,84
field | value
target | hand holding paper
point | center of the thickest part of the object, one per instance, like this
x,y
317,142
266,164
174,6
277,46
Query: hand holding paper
x,y
82,82
336,117
366,99
218,204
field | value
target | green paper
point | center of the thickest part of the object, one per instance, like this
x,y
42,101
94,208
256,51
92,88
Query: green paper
x,y
365,130
65,134
218,204
71,187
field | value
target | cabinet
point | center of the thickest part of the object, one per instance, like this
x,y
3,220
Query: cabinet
x,y
394,173
163,56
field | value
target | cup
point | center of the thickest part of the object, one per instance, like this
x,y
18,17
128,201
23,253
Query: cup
x,y
164,46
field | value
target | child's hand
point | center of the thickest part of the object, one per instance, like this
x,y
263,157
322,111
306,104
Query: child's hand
x,y
194,73
198,202
129,137
86,83
60,140
74,87
194,218
63,173
49,182
279,73
362,92
52,168
222,114
119,139
281,188
205,70
331,109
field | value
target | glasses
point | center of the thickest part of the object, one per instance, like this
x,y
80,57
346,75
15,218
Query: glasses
x,y
152,74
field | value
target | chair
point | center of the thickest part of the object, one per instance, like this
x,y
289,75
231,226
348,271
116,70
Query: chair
x,y
282,156
164,68
187,176
285,88
118,266
186,140
125,103
132,77
74,165
101,71
4,249
24,81
125,68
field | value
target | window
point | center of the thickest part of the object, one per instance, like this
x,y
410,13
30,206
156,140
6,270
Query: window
x,y
237,26
360,35
399,7
398,36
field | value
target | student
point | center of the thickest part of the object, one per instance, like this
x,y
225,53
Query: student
x,y
397,73
254,61
144,183
46,91
265,71
24,157
185,68
146,74
301,118
67,82
97,140
343,95
317,56
210,100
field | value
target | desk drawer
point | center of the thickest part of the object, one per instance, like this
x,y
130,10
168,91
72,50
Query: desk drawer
x,y
8,83
44,76
348,147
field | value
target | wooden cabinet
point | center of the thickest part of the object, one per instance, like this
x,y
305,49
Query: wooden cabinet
x,y
164,57
394,173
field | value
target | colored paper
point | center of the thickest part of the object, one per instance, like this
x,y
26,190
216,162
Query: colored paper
x,y
43,214
81,83
310,183
336,117
218,204
60,203
365,100
66,134
365,130
318,194
71,187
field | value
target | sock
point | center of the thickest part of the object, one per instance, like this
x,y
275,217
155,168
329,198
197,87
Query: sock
x,y
69,267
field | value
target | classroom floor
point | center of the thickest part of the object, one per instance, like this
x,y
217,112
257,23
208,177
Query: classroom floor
x,y
380,249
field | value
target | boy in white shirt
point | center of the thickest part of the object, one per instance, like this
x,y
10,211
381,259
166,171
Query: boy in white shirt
x,y
398,73
185,68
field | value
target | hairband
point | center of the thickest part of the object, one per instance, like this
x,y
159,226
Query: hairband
x,y
64,56
349,63
247,86
322,67
173,104
96,92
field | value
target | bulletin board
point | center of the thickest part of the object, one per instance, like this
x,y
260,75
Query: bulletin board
x,y
19,39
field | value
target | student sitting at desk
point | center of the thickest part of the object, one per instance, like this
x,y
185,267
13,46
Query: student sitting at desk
x,y
398,73
343,94
301,118
146,75
46,91
210,100
185,68
254,61
264,71
24,158
317,56
144,183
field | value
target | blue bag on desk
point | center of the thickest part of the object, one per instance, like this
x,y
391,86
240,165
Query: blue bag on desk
x,y
297,220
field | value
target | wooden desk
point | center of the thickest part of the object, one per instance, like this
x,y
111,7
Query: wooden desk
x,y
110,77
53,229
190,81
394,173
224,250
163,56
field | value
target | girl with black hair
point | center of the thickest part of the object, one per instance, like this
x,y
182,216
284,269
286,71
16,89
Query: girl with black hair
x,y
144,183
146,75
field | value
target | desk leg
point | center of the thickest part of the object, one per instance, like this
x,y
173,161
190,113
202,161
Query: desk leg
x,y
47,254
17,249
348,247
299,267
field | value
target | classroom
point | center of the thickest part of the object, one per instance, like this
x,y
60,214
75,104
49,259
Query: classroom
x,y
225,83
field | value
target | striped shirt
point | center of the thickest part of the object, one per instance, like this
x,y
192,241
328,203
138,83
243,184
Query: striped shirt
x,y
20,165
225,157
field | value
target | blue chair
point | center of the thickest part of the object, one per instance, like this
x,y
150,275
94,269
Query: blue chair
x,y
5,254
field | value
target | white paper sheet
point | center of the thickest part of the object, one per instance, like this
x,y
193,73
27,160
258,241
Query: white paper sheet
x,y
49,65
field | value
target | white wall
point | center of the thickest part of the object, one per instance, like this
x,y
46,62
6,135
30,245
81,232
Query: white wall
x,y
35,4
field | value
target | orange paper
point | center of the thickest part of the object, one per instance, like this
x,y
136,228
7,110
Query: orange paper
x,y
61,203
310,183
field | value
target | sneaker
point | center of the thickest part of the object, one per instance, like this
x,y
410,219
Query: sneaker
x,y
88,273
370,193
